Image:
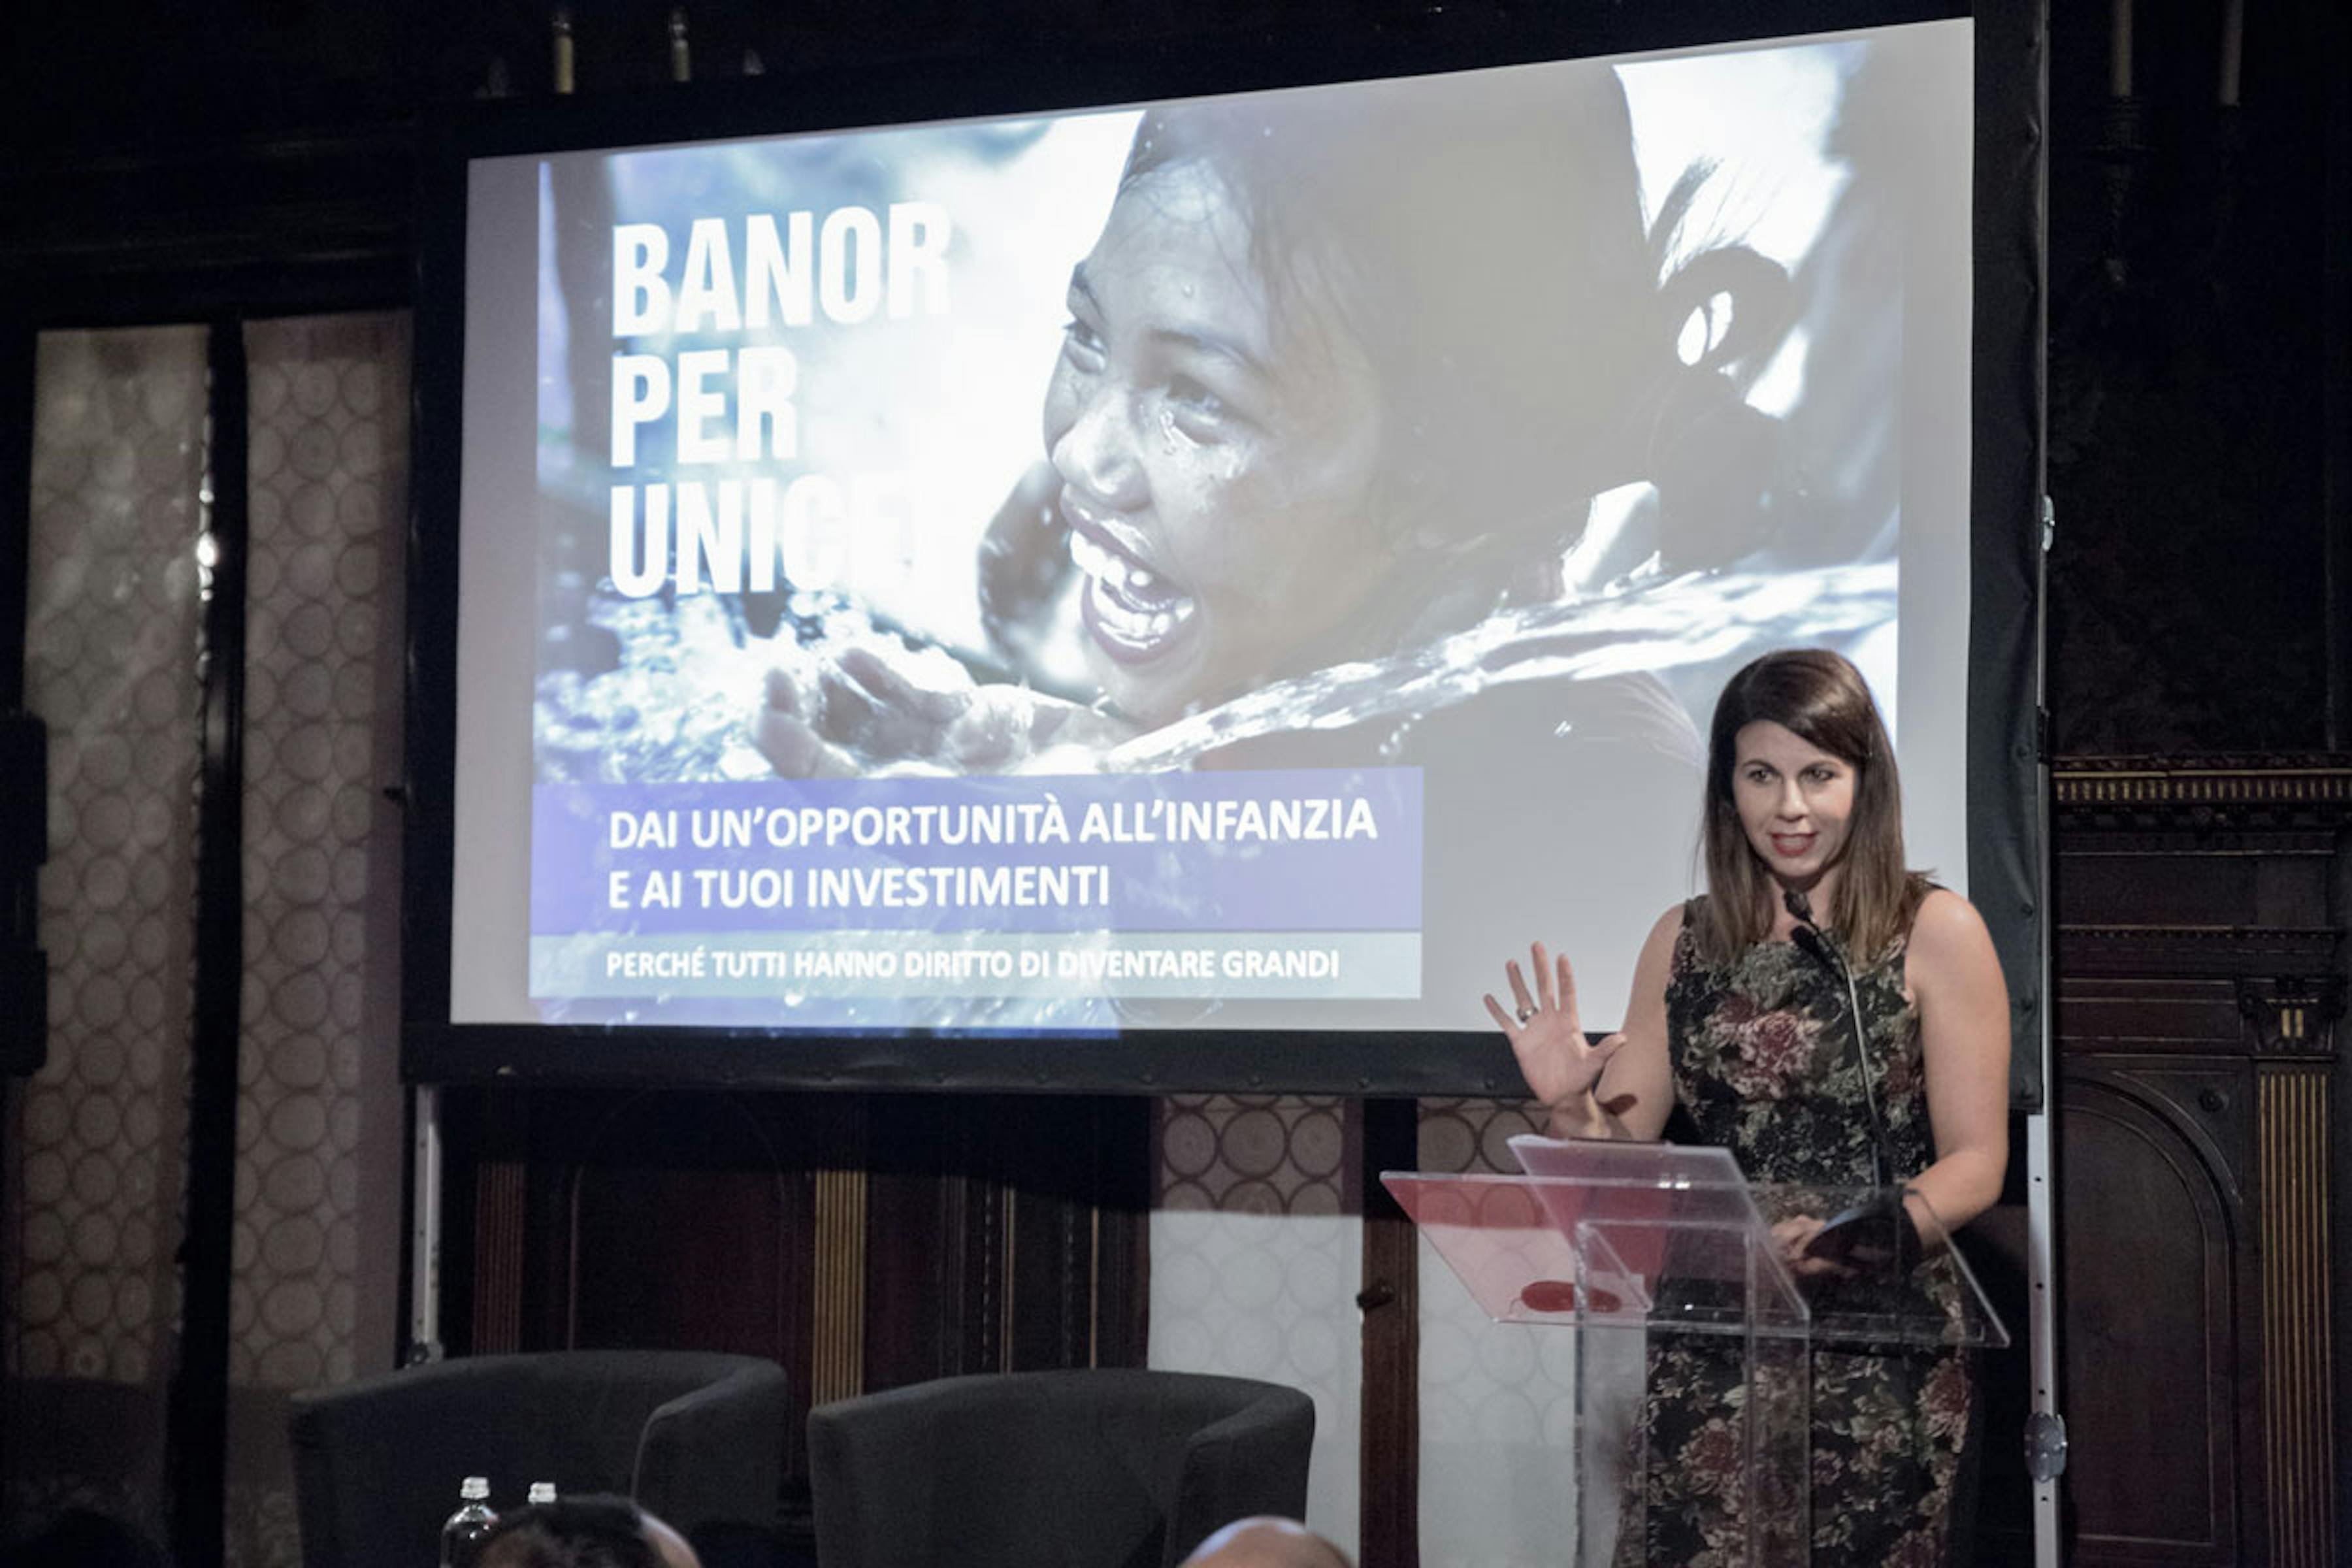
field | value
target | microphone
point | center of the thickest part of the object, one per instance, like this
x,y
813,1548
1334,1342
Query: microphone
x,y
1811,946
1808,935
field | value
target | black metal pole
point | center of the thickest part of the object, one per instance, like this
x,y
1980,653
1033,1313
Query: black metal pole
x,y
17,344
198,1432
2335,387
16,396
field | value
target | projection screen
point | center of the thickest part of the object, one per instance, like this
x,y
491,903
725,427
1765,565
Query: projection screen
x,y
1247,563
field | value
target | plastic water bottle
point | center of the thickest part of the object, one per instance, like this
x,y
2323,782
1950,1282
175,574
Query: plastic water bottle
x,y
461,1538
541,1492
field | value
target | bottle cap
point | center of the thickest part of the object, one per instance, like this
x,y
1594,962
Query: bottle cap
x,y
476,1488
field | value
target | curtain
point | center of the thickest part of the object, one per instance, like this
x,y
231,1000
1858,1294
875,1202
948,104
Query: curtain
x,y
94,1162
316,1244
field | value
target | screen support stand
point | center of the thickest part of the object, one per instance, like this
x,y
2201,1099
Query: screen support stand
x,y
425,1226
2046,1450
2046,1445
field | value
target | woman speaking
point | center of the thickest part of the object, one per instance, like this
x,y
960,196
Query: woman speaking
x,y
1739,1014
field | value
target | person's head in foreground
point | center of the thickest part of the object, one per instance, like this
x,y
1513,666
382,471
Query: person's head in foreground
x,y
1802,797
1265,1541
594,1531
83,1538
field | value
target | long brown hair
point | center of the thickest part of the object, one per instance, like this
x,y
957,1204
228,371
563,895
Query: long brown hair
x,y
1822,700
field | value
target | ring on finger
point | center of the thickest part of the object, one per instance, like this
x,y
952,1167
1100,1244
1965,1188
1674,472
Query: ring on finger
x,y
1525,1013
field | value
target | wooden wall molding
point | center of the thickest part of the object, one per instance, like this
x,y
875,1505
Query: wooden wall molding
x,y
2207,950
2293,1014
2298,1365
2153,1476
1390,1299
2097,837
501,1188
2200,980
302,218
2197,792
838,1251
837,1308
498,1193
2194,1110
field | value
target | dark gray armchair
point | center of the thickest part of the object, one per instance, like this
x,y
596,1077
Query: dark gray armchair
x,y
695,1437
1105,1468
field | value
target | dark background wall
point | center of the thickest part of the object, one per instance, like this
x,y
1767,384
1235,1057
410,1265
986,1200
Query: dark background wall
x,y
2198,343
261,150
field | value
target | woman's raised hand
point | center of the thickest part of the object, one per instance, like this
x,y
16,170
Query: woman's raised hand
x,y
1546,1033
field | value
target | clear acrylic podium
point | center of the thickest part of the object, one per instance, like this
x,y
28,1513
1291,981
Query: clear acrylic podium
x,y
1651,1252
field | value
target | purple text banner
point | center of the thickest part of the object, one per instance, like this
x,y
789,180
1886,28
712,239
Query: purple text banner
x,y
1309,849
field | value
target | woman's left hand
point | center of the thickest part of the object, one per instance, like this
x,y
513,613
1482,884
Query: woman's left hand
x,y
1792,1236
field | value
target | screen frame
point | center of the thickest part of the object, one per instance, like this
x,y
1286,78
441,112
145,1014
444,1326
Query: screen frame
x,y
2004,831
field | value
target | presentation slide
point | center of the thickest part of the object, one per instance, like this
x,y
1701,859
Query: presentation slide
x,y
1250,563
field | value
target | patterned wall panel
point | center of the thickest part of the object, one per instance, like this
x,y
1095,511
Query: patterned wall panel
x,y
110,666
1257,1256
315,1235
1497,1399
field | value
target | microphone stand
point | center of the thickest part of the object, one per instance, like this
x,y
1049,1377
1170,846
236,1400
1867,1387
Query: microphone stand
x,y
1809,937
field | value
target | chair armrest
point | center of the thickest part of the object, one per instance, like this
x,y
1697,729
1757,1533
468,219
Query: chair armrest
x,y
1251,1462
716,1455
876,1481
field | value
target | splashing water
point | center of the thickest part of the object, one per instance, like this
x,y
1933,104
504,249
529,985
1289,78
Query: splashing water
x,y
680,704
1664,629
677,706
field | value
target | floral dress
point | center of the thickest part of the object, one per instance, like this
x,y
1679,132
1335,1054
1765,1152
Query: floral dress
x,y
1763,1063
